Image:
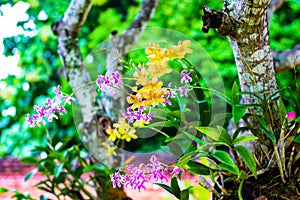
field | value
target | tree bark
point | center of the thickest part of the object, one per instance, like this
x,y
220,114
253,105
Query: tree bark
x,y
245,24
287,59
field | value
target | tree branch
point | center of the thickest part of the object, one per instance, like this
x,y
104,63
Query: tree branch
x,y
119,45
122,43
287,59
67,29
76,14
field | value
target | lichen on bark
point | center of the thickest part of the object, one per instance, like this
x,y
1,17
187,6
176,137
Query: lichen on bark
x,y
245,24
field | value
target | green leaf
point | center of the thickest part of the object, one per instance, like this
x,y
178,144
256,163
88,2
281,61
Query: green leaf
x,y
177,113
282,110
247,158
235,94
223,156
270,135
253,105
42,148
224,137
78,172
30,160
198,168
183,160
194,138
175,187
57,170
243,175
218,134
163,124
298,119
244,138
265,128
297,139
220,118
220,144
238,112
3,190
230,168
55,155
30,174
237,132
274,96
159,113
253,94
184,194
66,141
223,97
95,167
210,132
19,195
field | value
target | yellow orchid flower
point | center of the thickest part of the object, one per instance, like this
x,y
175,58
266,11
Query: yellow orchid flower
x,y
152,93
159,70
180,50
142,75
110,150
125,130
135,101
157,56
113,134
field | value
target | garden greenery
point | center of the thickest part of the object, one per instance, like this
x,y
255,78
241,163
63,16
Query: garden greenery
x,y
206,157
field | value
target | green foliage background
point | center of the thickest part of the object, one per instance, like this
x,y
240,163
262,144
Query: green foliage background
x,y
42,68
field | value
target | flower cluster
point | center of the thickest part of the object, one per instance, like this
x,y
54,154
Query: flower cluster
x,y
152,92
50,107
149,90
186,78
159,57
122,130
138,117
109,82
136,177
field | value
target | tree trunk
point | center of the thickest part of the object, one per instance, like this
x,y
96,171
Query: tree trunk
x,y
246,25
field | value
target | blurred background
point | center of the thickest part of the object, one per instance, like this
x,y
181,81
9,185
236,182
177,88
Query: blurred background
x,y
30,65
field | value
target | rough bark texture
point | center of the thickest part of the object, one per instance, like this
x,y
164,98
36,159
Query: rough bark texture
x,y
287,59
245,23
